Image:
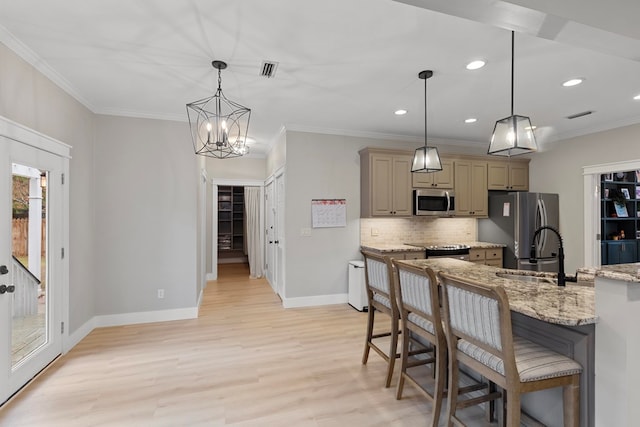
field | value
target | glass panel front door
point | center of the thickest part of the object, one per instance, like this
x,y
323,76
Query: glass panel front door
x,y
31,224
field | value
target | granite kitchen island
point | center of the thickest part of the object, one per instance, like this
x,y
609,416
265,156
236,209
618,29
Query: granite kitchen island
x,y
618,345
560,318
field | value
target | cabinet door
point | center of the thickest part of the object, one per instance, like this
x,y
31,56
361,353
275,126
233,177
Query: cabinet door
x,y
519,177
442,179
471,188
414,255
477,255
462,172
422,180
621,252
479,195
497,176
401,190
381,186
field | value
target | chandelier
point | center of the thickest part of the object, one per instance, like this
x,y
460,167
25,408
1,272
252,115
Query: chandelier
x,y
218,125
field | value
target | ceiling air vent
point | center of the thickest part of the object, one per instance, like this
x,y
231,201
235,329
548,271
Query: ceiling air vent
x,y
268,69
575,116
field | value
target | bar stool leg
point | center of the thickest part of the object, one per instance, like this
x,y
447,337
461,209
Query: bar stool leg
x,y
571,403
393,348
367,343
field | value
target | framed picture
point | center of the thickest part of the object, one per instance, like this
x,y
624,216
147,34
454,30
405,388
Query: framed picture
x,y
608,177
621,210
625,191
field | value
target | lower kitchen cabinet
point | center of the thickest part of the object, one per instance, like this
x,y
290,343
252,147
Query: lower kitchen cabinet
x,y
492,256
413,255
622,252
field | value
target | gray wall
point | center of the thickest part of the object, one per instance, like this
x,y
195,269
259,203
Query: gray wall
x,y
326,166
146,177
28,98
559,170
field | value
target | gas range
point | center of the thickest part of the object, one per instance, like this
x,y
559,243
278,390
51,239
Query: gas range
x,y
446,251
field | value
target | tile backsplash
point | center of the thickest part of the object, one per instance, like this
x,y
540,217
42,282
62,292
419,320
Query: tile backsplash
x,y
404,230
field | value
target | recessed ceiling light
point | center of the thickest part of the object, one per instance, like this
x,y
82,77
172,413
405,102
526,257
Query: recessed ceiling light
x,y
400,112
471,120
530,128
474,65
573,82
637,97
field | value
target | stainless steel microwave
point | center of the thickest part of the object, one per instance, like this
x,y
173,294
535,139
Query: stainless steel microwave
x,y
433,202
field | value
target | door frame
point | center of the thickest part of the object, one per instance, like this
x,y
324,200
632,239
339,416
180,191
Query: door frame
x,y
591,174
58,262
215,183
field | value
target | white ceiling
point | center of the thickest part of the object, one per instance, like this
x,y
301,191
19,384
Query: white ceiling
x,y
344,65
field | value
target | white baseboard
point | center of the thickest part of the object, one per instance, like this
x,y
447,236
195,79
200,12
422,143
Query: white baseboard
x,y
128,319
146,317
315,300
78,335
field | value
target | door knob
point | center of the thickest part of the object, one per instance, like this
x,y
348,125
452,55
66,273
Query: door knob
x,y
3,269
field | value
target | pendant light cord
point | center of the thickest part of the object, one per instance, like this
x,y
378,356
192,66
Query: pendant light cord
x,y
512,67
425,112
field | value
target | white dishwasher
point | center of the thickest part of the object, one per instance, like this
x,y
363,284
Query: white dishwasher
x,y
357,288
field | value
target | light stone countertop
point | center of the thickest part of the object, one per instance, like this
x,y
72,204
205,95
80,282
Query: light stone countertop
x,y
399,247
390,248
623,272
571,305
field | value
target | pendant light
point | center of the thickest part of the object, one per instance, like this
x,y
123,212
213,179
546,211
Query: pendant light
x,y
512,135
426,159
218,125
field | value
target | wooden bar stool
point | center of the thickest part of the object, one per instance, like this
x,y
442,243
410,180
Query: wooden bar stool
x,y
419,305
381,297
478,328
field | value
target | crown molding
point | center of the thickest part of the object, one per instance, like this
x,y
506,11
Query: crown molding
x,y
33,59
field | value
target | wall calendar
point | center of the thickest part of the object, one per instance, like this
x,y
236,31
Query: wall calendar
x,y
328,213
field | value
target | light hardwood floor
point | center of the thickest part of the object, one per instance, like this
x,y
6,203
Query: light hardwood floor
x,y
246,361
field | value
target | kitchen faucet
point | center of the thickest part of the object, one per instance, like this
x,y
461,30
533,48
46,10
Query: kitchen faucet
x,y
562,278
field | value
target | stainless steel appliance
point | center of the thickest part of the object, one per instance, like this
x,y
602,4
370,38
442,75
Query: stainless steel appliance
x,y
513,218
433,202
444,251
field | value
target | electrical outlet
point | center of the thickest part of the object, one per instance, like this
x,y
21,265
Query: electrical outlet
x,y
160,293
305,232
375,232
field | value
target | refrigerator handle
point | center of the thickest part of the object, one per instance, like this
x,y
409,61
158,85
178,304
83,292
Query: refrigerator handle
x,y
541,219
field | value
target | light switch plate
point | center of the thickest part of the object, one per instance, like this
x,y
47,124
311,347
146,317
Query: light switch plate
x,y
305,232
375,232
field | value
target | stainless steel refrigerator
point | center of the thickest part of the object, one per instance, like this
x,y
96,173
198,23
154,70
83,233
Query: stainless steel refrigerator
x,y
513,218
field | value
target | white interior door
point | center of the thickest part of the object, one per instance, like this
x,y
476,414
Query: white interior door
x,y
270,224
31,267
279,241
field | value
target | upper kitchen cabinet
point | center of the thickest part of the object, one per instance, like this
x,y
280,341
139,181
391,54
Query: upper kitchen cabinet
x,y
385,183
442,179
510,175
471,188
